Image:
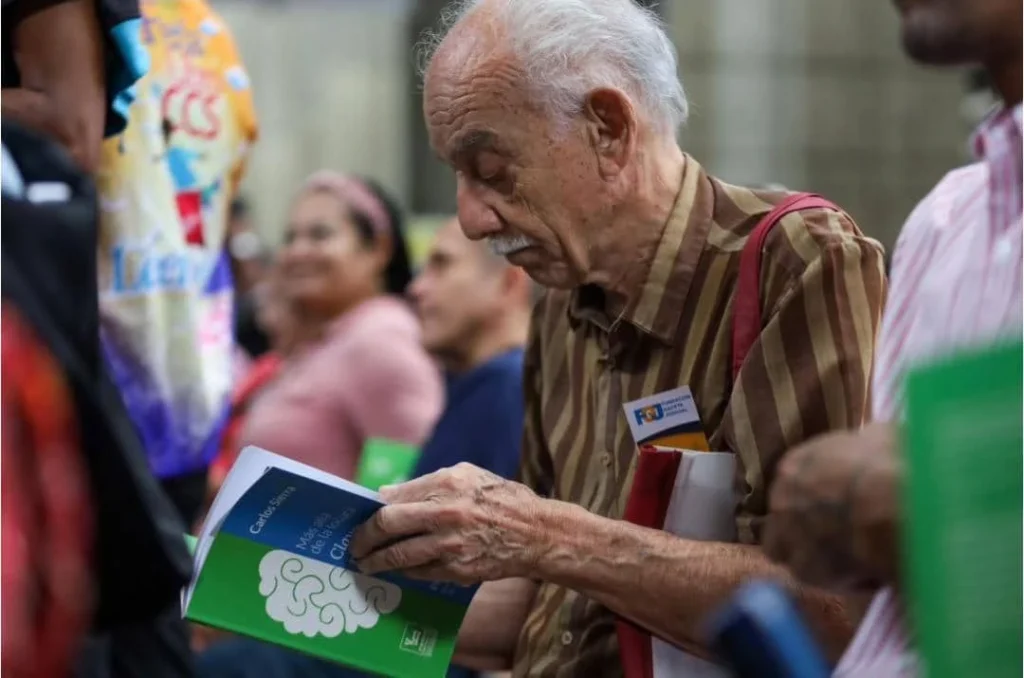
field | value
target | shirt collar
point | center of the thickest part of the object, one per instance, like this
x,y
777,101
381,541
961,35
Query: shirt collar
x,y
999,128
657,306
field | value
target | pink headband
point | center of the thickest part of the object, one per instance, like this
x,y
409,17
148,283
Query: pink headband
x,y
355,194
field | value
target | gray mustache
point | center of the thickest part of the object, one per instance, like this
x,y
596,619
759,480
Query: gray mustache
x,y
504,245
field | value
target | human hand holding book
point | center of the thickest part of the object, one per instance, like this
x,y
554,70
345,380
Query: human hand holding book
x,y
272,562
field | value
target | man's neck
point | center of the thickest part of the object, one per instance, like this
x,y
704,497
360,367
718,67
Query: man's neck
x,y
632,240
489,345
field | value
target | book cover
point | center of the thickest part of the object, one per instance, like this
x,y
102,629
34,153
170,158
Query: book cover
x,y
272,563
963,446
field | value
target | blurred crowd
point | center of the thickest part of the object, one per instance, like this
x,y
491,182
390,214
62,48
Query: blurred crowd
x,y
150,333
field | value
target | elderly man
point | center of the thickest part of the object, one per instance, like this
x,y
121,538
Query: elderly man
x,y
559,117
957,283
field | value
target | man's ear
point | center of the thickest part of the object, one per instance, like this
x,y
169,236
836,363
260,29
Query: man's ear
x,y
612,128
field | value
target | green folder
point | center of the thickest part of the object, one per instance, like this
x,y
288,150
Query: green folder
x,y
385,462
963,444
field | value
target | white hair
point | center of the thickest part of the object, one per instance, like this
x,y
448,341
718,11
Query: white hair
x,y
570,47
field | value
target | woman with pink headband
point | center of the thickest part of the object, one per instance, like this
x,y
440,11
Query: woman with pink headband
x,y
343,269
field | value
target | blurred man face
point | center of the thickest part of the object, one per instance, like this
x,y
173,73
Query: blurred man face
x,y
537,190
459,293
958,31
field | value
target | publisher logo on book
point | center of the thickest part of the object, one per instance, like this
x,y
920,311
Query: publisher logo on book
x,y
649,414
418,640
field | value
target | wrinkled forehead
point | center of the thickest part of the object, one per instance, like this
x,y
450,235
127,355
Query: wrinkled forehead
x,y
473,89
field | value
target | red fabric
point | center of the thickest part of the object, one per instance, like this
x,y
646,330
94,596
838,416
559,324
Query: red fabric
x,y
655,474
190,208
647,506
261,373
746,316
46,516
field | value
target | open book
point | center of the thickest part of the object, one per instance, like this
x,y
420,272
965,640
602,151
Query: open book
x,y
272,562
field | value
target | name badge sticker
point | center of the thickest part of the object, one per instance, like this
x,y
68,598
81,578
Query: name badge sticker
x,y
668,419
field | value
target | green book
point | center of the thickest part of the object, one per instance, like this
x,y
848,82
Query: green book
x,y
963,443
272,563
385,462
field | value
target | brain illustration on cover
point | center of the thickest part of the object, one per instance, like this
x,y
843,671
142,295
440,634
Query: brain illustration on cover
x,y
314,598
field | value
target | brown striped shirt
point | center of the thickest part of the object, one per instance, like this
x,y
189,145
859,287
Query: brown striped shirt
x,y
822,288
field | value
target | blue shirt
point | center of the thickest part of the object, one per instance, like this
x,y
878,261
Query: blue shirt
x,y
482,422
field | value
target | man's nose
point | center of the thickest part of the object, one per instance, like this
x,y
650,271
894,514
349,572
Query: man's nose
x,y
477,218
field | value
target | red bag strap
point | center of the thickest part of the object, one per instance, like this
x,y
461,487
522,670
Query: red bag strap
x,y
746,316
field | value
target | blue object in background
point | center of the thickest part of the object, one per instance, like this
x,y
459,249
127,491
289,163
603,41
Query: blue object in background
x,y
482,422
761,634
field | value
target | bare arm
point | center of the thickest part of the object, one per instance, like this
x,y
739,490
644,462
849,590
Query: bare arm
x,y
59,54
487,639
663,583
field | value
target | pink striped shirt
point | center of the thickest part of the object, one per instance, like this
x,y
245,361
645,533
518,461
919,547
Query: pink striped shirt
x,y
956,282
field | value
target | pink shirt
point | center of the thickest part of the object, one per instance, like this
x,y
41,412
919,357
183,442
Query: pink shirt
x,y
956,282
368,378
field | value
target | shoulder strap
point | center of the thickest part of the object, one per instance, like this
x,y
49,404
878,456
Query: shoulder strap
x,y
746,317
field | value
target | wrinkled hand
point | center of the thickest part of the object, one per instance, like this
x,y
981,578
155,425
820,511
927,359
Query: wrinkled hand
x,y
461,524
834,510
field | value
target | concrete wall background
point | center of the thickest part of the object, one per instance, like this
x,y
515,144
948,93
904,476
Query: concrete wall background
x,y
330,83
813,94
817,95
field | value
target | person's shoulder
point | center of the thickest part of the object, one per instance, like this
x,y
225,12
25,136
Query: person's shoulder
x,y
738,210
504,371
937,209
814,236
379,348
377,327
385,312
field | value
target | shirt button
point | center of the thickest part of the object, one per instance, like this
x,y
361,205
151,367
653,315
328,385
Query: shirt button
x,y
566,638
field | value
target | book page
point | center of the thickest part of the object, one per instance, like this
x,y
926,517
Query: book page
x,y
250,466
